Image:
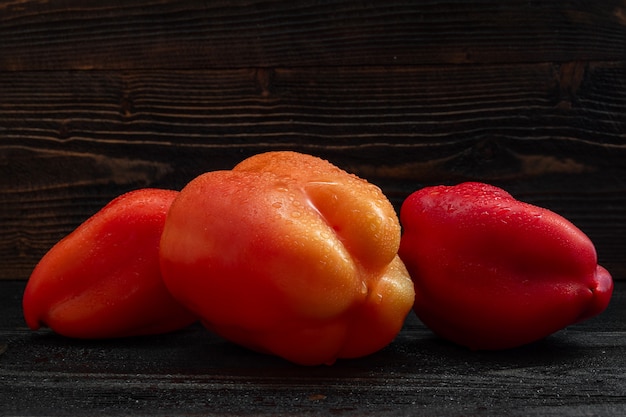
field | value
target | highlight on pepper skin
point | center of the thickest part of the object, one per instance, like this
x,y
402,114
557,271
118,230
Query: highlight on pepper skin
x,y
492,272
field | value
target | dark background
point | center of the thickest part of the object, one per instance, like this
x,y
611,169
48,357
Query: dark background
x,y
99,98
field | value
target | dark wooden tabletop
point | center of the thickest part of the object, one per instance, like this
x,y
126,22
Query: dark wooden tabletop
x,y
579,371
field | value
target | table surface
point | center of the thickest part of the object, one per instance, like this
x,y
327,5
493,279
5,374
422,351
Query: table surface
x,y
579,371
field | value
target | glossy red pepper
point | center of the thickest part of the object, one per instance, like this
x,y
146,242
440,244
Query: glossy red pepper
x,y
491,272
103,279
289,255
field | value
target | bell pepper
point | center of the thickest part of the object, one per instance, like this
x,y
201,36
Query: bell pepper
x,y
492,272
288,255
103,279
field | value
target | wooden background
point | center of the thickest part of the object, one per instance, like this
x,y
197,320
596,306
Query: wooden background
x,y
99,98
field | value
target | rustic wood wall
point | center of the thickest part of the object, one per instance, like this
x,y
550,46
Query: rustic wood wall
x,y
98,98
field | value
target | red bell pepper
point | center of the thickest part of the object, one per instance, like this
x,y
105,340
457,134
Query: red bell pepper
x,y
289,255
103,279
491,272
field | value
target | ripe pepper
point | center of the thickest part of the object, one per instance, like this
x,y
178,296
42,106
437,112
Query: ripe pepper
x,y
289,255
492,272
103,279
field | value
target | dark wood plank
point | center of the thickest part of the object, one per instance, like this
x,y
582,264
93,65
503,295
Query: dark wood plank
x,y
72,141
551,134
81,35
579,371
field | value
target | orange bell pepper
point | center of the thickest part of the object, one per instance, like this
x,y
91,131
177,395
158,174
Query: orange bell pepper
x,y
288,254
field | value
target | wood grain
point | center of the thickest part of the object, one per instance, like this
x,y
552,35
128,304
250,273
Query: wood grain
x,y
580,371
98,99
550,134
83,35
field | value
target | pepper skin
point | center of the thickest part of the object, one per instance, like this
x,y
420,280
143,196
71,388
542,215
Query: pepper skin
x,y
491,272
287,254
103,279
